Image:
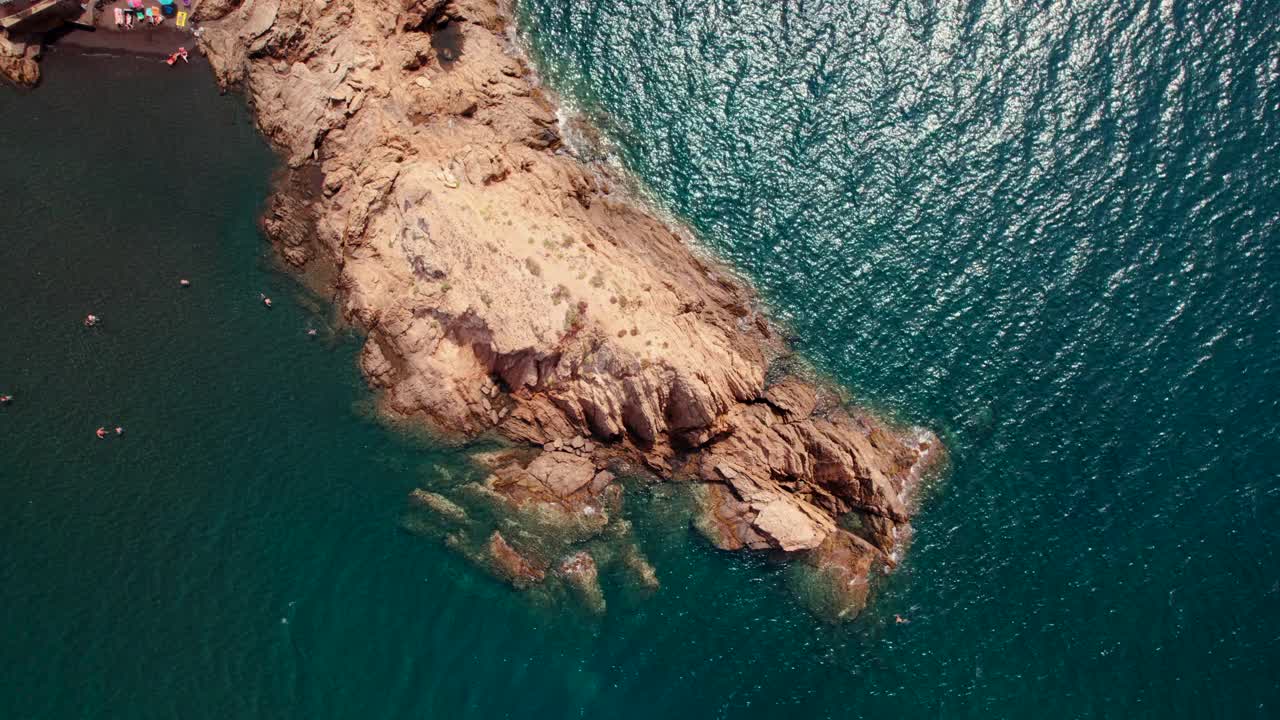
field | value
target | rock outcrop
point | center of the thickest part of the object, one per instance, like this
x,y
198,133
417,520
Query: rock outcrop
x,y
511,565
579,571
505,286
23,33
19,61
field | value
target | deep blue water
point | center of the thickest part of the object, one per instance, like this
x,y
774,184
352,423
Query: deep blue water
x,y
1046,230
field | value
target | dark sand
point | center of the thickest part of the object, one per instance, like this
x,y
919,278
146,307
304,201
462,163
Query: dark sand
x,y
151,41
142,39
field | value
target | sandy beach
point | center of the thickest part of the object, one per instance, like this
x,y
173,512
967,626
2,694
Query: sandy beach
x,y
142,39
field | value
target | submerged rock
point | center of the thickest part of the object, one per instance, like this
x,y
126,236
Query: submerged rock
x,y
833,580
640,568
511,565
438,503
580,573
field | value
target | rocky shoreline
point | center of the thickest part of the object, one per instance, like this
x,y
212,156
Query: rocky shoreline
x,y
505,287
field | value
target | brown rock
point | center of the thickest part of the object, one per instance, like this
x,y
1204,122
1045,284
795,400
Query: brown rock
x,y
563,473
206,10
792,524
19,62
796,476
418,15
580,573
432,202
840,586
640,568
511,565
439,504
601,481
726,521
792,398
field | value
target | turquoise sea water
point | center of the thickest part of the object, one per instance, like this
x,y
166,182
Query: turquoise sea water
x,y
1045,230
1050,231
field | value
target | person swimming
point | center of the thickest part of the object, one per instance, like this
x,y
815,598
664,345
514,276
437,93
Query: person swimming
x,y
900,620
91,320
311,332
6,399
184,282
265,300
119,430
101,433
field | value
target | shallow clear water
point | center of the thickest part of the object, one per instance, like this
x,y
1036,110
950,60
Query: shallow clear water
x,y
1047,231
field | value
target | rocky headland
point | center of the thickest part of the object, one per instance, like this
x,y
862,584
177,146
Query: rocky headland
x,y
506,287
19,61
